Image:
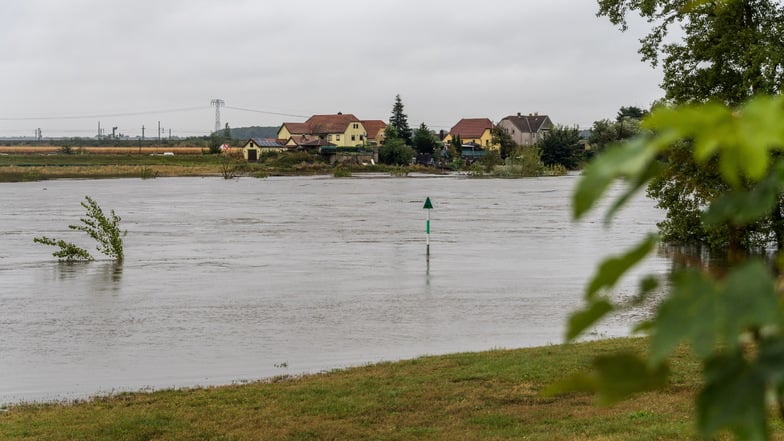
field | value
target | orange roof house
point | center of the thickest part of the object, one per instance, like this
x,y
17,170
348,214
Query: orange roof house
x,y
375,129
473,130
339,130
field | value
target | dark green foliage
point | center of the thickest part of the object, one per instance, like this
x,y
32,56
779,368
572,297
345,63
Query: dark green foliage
x,y
730,49
425,142
399,120
524,162
455,147
490,160
103,229
214,143
630,112
395,152
734,322
605,132
68,251
561,145
504,141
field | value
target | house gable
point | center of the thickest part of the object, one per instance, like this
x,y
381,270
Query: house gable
x,y
526,129
340,130
473,130
374,129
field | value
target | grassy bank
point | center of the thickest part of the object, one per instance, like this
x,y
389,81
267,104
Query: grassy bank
x,y
475,396
37,167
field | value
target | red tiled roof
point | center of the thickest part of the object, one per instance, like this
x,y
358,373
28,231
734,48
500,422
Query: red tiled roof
x,y
373,127
469,128
297,128
330,123
322,124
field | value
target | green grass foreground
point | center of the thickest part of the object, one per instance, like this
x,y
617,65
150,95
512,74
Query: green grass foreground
x,y
491,395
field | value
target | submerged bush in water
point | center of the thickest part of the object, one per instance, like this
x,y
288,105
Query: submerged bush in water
x,y
105,230
68,251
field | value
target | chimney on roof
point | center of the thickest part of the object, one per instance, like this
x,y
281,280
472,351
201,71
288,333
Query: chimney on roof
x,y
340,113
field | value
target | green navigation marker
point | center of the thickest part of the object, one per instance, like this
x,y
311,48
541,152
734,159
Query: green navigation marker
x,y
428,206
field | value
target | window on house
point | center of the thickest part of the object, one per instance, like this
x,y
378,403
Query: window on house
x,y
337,137
361,138
353,137
356,126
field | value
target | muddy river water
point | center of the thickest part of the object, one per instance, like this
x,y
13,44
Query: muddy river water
x,y
233,280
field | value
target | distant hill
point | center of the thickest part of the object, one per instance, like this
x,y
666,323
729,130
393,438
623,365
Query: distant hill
x,y
254,132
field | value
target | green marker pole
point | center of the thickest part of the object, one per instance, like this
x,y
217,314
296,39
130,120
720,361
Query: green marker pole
x,y
427,231
428,206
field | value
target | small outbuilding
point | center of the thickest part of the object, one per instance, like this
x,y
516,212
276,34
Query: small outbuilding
x,y
253,149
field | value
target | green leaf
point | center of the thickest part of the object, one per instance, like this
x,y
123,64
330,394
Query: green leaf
x,y
581,320
688,314
742,139
771,359
733,398
648,285
749,301
612,269
637,182
628,161
614,378
745,207
705,313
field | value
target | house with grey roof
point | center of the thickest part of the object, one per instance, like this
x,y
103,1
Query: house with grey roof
x,y
526,129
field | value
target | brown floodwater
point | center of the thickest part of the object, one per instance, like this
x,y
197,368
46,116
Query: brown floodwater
x,y
233,280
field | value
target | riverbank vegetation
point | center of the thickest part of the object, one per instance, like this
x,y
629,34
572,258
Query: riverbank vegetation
x,y
473,396
97,164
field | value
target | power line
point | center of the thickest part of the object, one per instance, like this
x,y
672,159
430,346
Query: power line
x,y
266,112
106,115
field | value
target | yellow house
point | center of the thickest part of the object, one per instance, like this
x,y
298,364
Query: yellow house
x,y
375,131
339,130
473,130
253,149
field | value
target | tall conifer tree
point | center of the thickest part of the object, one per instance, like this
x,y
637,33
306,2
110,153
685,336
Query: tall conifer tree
x,y
399,121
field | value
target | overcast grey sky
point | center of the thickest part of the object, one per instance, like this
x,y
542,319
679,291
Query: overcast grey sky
x,y
447,59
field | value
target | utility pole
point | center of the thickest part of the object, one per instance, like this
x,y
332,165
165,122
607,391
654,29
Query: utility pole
x,y
114,132
99,130
142,132
169,133
159,131
217,103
